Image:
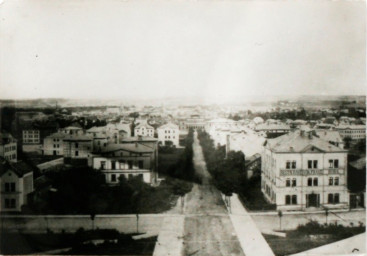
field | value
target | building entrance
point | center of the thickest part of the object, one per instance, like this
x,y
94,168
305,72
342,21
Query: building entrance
x,y
312,200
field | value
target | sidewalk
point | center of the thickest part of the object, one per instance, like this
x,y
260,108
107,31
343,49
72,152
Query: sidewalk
x,y
170,239
251,240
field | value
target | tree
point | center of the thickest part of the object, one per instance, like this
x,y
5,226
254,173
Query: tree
x,y
180,188
280,214
347,141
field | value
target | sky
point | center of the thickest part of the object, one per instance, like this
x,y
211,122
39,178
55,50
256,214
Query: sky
x,y
220,50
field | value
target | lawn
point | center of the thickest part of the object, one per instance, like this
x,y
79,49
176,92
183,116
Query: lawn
x,y
309,236
112,243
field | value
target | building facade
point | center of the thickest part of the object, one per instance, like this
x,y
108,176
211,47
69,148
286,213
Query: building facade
x,y
355,132
77,147
169,133
53,145
144,129
16,182
128,160
301,171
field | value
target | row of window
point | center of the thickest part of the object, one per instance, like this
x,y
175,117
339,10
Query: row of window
x,y
114,177
312,164
332,199
169,137
56,145
55,140
169,131
10,148
312,182
10,157
130,164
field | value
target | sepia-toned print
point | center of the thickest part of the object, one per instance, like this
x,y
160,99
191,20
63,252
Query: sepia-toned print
x,y
182,128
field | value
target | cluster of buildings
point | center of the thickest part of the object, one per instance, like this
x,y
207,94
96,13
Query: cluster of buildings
x,y
304,165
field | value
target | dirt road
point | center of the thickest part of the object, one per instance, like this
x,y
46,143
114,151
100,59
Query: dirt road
x,y
208,229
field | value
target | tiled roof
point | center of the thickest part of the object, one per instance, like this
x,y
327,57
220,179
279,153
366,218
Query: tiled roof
x,y
329,135
6,138
131,147
20,168
144,125
266,127
298,142
168,126
77,137
57,135
138,138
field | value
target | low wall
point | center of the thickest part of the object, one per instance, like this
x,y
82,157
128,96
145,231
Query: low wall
x,y
70,223
50,164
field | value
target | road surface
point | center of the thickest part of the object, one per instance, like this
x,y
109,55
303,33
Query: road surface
x,y
208,229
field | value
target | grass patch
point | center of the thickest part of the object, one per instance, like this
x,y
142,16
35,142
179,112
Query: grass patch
x,y
310,235
112,243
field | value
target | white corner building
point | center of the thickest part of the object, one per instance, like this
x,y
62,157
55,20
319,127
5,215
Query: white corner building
x,y
301,171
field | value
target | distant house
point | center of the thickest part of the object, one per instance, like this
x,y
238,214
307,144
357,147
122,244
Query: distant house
x,y
8,147
54,144
77,148
355,132
16,182
300,171
272,130
144,129
129,160
71,130
169,133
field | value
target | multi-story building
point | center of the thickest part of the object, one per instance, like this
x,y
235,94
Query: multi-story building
x,y
144,129
169,133
220,123
54,144
301,171
78,148
129,160
8,147
355,132
16,182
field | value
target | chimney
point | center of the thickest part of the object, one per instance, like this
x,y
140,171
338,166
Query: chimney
x,y
310,135
302,133
136,144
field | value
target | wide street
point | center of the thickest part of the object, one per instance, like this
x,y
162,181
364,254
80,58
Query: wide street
x,y
208,229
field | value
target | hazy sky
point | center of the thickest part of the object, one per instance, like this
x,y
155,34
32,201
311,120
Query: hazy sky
x,y
221,50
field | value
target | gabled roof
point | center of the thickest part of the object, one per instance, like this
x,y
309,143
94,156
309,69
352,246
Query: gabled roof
x,y
97,129
351,127
329,135
19,168
168,126
141,125
57,135
221,120
130,147
300,142
139,139
6,138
